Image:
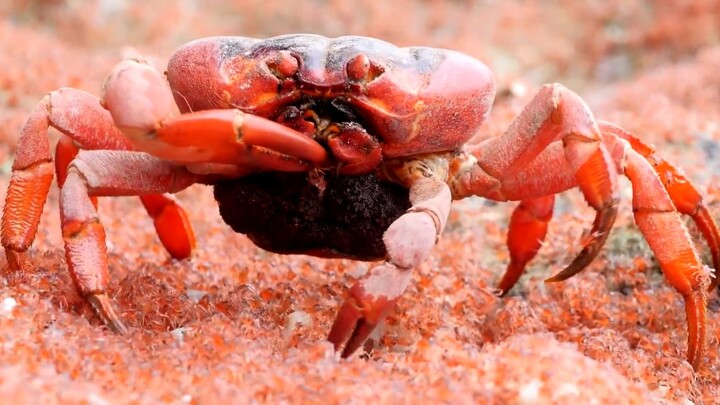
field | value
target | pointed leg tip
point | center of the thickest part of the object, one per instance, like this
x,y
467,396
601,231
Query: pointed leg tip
x,y
695,362
714,282
696,310
512,275
17,261
345,323
102,306
564,274
503,288
355,321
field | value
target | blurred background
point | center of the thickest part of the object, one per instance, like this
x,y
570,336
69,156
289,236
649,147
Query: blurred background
x,y
573,41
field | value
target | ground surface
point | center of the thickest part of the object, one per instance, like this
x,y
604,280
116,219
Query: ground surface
x,y
238,324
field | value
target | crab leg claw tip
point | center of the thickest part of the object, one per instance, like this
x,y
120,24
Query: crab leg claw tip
x,y
369,302
696,312
598,235
708,228
358,317
100,303
16,260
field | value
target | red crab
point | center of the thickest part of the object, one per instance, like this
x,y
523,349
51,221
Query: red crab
x,y
346,147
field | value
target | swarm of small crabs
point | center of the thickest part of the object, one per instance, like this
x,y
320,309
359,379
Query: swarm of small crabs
x,y
347,147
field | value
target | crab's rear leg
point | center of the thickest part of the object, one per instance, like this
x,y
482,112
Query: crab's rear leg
x,y
657,217
556,120
536,166
83,122
526,233
686,198
684,195
658,220
408,241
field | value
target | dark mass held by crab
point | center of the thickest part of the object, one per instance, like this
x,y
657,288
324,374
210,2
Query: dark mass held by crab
x,y
348,147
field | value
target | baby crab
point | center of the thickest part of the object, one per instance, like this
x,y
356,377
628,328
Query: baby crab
x,y
347,147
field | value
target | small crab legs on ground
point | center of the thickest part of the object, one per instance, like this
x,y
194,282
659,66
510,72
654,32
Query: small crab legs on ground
x,y
307,125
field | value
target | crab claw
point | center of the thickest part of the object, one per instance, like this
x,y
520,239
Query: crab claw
x,y
140,102
359,150
227,136
408,241
137,97
369,302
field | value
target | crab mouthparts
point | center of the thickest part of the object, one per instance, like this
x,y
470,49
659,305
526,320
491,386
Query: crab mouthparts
x,y
334,125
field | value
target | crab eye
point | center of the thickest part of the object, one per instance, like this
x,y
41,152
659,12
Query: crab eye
x,y
361,69
283,65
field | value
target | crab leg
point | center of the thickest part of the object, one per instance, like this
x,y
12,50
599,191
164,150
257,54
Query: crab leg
x,y
408,241
83,122
655,207
170,220
667,236
554,114
171,224
107,173
527,230
684,195
225,137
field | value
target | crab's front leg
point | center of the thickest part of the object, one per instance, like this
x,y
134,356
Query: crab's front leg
x,y
408,241
106,173
169,218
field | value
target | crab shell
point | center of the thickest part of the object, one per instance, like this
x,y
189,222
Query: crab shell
x,y
414,100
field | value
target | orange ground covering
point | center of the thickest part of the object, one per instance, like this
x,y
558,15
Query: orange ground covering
x,y
239,324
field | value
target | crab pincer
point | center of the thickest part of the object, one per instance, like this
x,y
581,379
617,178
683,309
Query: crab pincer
x,y
140,102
